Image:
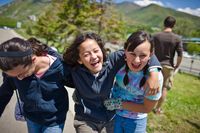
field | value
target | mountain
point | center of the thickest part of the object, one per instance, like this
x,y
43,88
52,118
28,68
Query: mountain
x,y
126,7
21,9
152,15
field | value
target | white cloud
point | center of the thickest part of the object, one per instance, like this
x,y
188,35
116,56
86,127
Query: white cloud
x,y
188,10
148,2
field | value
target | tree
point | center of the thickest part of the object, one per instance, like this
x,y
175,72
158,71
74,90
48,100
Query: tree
x,y
67,18
193,48
184,27
110,24
74,17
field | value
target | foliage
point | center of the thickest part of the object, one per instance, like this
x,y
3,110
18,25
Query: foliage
x,y
184,27
196,33
74,17
111,25
193,48
70,18
181,109
67,18
8,22
46,27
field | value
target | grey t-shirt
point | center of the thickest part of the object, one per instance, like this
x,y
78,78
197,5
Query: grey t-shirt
x,y
166,44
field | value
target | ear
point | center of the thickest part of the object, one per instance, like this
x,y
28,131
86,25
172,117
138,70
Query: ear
x,y
80,62
125,56
151,54
33,58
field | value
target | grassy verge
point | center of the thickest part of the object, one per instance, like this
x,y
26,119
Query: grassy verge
x,y
181,109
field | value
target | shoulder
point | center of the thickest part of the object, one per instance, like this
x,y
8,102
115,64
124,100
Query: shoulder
x,y
116,54
116,57
157,34
176,37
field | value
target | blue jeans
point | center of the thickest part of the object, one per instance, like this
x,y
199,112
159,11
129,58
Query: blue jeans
x,y
37,128
126,125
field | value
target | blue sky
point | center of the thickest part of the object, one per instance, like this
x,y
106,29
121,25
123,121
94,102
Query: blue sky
x,y
2,2
188,6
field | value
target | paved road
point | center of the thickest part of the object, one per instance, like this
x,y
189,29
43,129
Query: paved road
x,y
8,124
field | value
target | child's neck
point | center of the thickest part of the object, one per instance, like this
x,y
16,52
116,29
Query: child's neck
x,y
42,64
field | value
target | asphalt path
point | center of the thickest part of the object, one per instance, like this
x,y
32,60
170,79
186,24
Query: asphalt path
x,y
8,124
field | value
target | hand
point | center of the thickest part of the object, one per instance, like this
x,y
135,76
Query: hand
x,y
152,83
113,103
176,68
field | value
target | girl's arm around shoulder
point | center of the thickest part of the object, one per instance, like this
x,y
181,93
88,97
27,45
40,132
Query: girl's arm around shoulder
x,y
116,58
152,82
154,63
149,101
146,107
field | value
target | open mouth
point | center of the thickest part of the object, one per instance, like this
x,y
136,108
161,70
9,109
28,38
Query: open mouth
x,y
136,66
95,64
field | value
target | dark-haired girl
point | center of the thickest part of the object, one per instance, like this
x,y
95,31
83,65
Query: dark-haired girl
x,y
93,74
40,79
131,115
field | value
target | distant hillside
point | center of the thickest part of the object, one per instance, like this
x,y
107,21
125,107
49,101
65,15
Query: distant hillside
x,y
127,7
21,9
152,15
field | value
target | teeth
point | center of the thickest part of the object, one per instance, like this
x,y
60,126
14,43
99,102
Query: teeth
x,y
135,65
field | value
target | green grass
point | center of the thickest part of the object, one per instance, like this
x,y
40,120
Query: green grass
x,y
181,109
6,21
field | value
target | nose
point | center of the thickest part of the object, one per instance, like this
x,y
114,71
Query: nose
x,y
137,59
93,55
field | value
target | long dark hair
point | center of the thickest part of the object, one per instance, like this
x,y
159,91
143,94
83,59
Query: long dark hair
x,y
71,54
38,47
134,40
18,45
14,45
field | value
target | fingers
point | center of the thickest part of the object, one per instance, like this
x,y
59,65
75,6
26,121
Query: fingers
x,y
152,91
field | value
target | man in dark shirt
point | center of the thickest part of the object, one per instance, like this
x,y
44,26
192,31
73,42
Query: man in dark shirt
x,y
167,44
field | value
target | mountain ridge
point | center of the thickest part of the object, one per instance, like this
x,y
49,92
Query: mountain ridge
x,y
152,15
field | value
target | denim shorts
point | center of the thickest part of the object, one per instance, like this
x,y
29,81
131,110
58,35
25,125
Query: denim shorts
x,y
126,125
38,128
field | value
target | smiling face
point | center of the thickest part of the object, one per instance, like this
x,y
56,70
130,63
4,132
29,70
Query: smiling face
x,y
91,56
138,58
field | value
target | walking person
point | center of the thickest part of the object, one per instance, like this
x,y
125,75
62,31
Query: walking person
x,y
167,44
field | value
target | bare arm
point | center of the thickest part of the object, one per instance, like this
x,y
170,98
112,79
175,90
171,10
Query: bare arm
x,y
152,83
146,107
179,60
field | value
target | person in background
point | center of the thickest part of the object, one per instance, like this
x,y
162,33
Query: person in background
x,y
167,44
40,79
128,96
93,74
